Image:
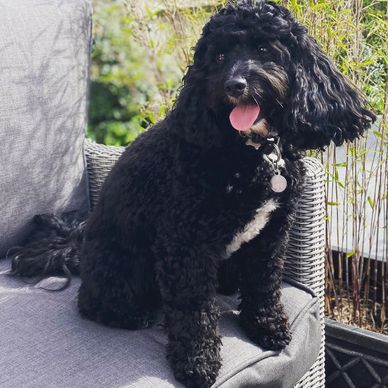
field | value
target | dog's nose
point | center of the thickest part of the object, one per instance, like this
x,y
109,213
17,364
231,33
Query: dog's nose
x,y
235,87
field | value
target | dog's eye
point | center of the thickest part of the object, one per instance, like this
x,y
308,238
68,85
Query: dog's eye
x,y
262,50
220,58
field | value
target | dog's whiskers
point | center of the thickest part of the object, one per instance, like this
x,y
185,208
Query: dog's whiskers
x,y
255,101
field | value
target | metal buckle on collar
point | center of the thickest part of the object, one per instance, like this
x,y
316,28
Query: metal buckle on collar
x,y
272,155
262,143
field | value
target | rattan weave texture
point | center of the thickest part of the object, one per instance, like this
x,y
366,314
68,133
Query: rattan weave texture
x,y
306,255
100,159
305,258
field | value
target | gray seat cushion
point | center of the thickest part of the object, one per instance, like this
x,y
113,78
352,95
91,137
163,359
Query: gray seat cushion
x,y
45,343
44,48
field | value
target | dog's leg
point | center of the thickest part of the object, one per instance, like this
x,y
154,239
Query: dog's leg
x,y
117,289
187,282
228,276
261,312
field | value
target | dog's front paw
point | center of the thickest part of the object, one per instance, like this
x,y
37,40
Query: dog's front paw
x,y
269,332
197,376
197,368
277,340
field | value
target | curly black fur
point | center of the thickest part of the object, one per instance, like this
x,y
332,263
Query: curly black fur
x,y
52,247
170,208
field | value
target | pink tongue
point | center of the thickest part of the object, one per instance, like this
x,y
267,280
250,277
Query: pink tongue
x,y
242,117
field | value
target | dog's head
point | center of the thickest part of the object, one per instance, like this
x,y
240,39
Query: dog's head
x,y
256,70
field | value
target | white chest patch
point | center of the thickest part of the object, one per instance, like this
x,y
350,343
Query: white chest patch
x,y
253,228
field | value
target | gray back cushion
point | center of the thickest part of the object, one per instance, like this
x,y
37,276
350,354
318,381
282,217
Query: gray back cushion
x,y
44,49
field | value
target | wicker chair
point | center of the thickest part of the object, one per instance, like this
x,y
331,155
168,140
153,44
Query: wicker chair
x,y
305,258
45,48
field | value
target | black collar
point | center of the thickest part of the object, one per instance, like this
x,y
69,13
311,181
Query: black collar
x,y
265,145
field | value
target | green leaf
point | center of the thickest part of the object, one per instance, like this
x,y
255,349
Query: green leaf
x,y
350,254
340,184
320,5
370,201
296,7
149,11
378,134
336,174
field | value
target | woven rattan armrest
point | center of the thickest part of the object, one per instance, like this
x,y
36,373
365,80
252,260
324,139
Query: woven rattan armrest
x,y
99,161
305,257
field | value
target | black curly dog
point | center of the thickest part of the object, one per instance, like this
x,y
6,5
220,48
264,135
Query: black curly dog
x,y
192,206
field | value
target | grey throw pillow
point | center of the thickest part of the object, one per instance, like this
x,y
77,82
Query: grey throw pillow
x,y
44,48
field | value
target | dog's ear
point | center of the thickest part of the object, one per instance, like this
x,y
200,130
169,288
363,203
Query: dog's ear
x,y
323,105
192,119
200,52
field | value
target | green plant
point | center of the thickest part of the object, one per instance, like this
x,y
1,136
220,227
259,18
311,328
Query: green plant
x,y
140,53
354,33
121,80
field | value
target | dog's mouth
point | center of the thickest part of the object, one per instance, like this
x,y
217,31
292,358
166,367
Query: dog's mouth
x,y
249,120
243,117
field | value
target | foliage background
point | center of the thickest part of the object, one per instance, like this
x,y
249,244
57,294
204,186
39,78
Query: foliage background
x,y
141,51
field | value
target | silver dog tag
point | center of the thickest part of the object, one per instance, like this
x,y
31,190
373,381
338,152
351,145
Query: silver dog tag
x,y
278,183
